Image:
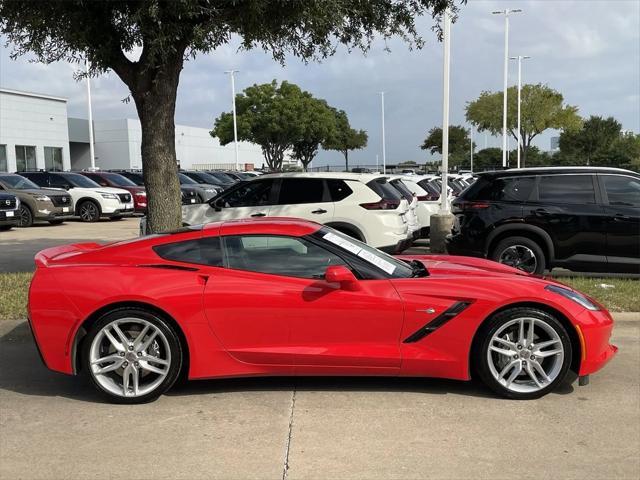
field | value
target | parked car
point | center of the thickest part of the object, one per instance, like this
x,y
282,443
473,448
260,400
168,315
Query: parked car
x,y
427,202
205,191
364,206
111,179
207,180
37,203
293,297
189,194
413,222
583,219
9,205
226,180
90,200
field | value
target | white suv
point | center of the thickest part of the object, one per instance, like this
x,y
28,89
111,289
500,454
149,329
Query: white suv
x,y
363,206
90,200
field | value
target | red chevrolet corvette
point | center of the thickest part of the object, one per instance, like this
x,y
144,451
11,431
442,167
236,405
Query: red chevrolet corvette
x,y
291,297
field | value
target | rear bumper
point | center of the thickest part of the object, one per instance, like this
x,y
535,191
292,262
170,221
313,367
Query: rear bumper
x,y
595,329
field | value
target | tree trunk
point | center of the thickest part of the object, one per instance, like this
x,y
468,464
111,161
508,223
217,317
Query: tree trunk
x,y
346,160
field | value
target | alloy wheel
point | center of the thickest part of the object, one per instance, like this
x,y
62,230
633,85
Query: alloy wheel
x,y
525,355
24,216
130,357
88,212
520,257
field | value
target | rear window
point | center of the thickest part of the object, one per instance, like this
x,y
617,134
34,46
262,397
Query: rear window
x,y
575,189
384,189
202,251
301,190
507,189
402,188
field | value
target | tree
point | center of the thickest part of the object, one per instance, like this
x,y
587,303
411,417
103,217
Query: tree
x,y
318,125
459,144
487,159
345,138
600,142
541,108
169,32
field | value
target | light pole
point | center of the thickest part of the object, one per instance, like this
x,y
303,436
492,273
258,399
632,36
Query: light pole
x,y
444,194
519,58
233,103
506,12
384,150
471,145
90,113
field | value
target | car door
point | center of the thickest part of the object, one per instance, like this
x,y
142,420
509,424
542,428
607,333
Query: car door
x,y
307,198
567,207
276,308
621,199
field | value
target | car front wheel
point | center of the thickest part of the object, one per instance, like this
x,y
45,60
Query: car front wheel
x,y
524,353
89,211
521,253
132,355
25,216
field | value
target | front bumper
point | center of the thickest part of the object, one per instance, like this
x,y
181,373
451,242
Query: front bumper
x,y
594,330
8,217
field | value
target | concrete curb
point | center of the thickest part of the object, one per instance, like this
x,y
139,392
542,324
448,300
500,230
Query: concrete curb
x,y
18,330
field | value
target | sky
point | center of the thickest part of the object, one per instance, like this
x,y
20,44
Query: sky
x,y
589,50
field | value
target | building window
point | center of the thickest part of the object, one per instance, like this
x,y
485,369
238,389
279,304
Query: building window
x,y
3,158
25,158
53,159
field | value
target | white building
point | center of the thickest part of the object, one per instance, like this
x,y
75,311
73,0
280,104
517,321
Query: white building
x,y
33,132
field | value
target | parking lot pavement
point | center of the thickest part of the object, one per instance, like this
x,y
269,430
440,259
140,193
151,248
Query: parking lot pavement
x,y
54,426
18,246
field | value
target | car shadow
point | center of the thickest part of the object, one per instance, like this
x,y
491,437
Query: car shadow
x,y
22,371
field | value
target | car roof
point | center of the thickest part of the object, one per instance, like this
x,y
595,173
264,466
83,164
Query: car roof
x,y
361,177
271,226
554,171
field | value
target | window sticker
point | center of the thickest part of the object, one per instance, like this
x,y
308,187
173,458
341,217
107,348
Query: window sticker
x,y
372,258
342,242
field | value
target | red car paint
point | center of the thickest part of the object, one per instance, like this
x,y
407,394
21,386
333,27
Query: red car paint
x,y
242,323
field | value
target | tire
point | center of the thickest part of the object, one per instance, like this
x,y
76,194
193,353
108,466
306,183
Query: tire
x,y
89,211
521,253
517,382
56,222
25,216
154,360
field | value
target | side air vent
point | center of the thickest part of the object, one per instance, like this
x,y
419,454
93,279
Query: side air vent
x,y
437,322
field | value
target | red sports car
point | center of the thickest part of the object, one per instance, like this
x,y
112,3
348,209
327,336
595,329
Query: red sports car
x,y
291,297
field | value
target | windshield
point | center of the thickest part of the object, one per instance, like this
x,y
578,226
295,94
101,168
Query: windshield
x,y
184,180
223,177
118,180
202,177
390,265
80,181
17,182
136,178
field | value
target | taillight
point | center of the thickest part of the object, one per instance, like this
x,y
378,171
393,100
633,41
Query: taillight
x,y
383,204
472,205
428,198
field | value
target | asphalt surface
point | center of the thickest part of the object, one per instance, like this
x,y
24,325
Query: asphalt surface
x,y
55,426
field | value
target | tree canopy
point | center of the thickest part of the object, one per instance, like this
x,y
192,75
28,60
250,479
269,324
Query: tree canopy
x,y
459,144
541,108
345,138
167,32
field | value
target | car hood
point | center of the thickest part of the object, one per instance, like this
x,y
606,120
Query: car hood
x,y
450,265
39,191
101,190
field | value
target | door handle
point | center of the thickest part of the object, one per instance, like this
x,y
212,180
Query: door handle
x,y
320,210
259,214
618,217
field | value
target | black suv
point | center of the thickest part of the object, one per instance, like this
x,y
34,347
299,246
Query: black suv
x,y
580,218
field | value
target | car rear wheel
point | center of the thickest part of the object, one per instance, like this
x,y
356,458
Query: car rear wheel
x,y
132,355
521,253
524,353
25,216
89,211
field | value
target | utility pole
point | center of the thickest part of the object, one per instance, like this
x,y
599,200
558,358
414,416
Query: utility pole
x,y
471,145
384,151
506,12
235,124
519,58
92,152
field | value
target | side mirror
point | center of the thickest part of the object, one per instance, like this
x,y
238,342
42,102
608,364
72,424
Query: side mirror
x,y
342,275
216,205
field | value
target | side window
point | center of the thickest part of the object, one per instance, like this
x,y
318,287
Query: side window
x,y
338,189
508,189
57,181
39,179
278,255
567,189
622,190
98,179
203,251
294,191
250,194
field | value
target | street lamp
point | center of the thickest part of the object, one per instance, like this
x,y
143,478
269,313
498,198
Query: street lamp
x,y
471,145
444,194
384,151
233,102
519,58
506,12
90,113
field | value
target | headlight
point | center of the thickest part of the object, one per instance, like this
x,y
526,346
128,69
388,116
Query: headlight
x,y
571,295
210,190
41,198
111,196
